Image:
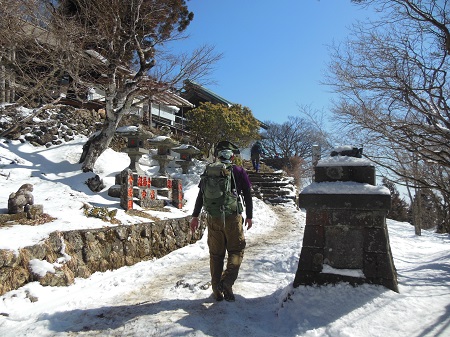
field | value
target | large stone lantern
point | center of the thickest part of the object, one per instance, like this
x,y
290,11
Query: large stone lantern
x,y
186,153
163,144
346,237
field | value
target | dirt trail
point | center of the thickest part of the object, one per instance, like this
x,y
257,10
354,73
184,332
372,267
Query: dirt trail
x,y
195,273
180,298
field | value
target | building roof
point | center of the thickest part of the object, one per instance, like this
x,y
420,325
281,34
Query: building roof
x,y
169,98
196,94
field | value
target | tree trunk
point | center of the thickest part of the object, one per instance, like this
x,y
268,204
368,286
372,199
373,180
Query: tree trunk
x,y
2,83
419,216
145,114
12,84
99,143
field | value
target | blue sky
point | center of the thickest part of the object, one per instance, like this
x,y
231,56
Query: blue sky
x,y
275,52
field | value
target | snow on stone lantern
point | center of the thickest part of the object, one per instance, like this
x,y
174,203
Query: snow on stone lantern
x,y
186,153
135,140
163,144
346,237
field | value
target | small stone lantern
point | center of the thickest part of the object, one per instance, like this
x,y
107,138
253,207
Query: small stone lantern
x,y
135,140
163,144
186,153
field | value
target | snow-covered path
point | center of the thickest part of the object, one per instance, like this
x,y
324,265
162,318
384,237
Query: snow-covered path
x,y
171,296
177,300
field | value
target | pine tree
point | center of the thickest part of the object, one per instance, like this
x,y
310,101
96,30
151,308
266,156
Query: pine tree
x,y
210,123
399,207
432,214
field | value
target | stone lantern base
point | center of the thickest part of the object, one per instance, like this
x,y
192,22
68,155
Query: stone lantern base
x,y
341,245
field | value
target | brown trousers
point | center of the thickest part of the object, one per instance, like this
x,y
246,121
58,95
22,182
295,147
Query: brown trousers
x,y
225,235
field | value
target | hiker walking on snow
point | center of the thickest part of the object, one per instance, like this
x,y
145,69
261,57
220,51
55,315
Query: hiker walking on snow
x,y
255,152
221,186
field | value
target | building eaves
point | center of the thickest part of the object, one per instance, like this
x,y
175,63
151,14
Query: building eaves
x,y
170,98
206,93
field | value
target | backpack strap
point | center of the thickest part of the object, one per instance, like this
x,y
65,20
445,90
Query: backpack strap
x,y
239,204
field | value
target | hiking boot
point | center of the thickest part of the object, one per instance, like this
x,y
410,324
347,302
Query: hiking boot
x,y
227,292
217,295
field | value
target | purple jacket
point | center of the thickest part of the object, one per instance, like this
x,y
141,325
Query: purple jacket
x,y
243,187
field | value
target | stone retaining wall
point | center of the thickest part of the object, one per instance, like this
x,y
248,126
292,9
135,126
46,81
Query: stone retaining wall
x,y
80,253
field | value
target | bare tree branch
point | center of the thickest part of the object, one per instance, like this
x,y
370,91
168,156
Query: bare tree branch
x,y
118,47
392,76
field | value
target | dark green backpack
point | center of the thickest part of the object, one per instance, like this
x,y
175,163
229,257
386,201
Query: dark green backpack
x,y
218,196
